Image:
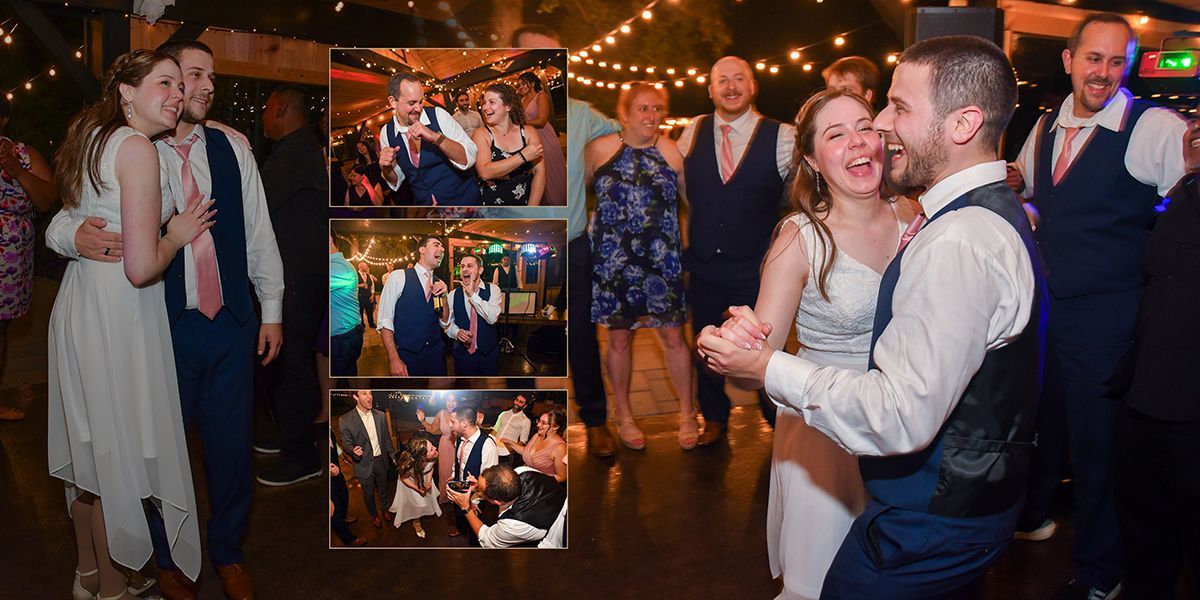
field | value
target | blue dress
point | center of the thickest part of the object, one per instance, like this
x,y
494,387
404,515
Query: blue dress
x,y
637,277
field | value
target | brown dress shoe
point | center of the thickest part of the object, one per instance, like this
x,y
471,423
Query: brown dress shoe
x,y
600,442
376,522
175,585
714,431
389,516
235,582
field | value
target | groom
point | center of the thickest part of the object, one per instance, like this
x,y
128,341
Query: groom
x,y
944,418
213,326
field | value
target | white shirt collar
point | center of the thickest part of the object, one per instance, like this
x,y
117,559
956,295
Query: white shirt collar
x,y
1111,117
421,270
197,132
742,124
947,190
471,440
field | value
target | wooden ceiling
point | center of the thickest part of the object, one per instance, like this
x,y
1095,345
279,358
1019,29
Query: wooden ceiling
x,y
543,231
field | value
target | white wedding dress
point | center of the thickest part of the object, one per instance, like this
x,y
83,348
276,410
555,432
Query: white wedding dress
x,y
816,490
115,422
409,505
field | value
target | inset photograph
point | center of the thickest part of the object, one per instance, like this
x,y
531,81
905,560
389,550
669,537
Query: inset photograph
x,y
448,469
437,298
448,127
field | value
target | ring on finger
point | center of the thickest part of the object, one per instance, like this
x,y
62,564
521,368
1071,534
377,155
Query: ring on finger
x,y
106,251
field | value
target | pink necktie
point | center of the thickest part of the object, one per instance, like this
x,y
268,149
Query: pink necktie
x,y
1064,155
726,154
911,232
425,284
474,327
414,152
204,255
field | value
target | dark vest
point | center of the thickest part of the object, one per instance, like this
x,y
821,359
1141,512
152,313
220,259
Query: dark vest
x,y
977,464
485,338
507,281
737,216
436,177
474,459
414,320
541,499
1095,222
228,233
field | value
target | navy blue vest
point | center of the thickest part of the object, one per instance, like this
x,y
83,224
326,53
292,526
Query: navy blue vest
x,y
977,464
436,177
541,499
414,320
507,281
228,233
474,458
485,338
1096,221
736,216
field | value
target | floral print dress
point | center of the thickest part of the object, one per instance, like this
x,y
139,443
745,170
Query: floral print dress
x,y
16,242
513,189
637,277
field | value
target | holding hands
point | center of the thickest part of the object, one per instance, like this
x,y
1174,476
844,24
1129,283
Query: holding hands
x,y
738,348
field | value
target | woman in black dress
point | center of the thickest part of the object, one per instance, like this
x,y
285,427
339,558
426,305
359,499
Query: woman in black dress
x,y
365,155
511,173
361,191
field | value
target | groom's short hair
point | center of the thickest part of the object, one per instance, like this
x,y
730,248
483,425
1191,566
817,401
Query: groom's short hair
x,y
395,80
965,70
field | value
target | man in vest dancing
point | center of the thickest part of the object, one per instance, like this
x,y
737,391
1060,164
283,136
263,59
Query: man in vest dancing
x,y
474,452
474,308
408,322
944,419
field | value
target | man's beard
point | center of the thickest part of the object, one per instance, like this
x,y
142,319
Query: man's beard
x,y
189,116
923,159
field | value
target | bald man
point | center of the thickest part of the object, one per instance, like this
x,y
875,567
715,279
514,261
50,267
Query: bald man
x,y
736,163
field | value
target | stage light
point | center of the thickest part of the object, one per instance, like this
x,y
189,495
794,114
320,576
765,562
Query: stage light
x,y
839,41
795,55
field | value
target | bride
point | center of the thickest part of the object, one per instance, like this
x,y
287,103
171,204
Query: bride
x,y
823,270
115,429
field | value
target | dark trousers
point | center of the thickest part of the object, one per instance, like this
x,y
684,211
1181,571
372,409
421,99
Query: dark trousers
x,y
376,480
340,496
480,364
583,351
1158,491
296,399
1085,340
214,362
709,300
429,362
367,305
900,554
344,350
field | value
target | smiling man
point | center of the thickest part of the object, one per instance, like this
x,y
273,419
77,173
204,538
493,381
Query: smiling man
x,y
735,165
215,330
943,420
410,326
474,308
1095,168
426,147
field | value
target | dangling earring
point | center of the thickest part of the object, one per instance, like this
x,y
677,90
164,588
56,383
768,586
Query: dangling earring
x,y
818,183
129,111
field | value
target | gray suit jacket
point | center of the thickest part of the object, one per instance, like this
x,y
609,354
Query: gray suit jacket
x,y
354,433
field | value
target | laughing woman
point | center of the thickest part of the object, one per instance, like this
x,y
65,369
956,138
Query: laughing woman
x,y
512,173
115,429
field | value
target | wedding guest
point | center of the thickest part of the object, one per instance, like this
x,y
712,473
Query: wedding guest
x,y
26,186
467,118
539,114
474,307
367,441
410,326
345,317
107,167
1095,167
297,192
362,192
853,74
367,284
416,493
638,279
736,165
512,426
530,503
339,496
426,147
367,157
547,451
441,427
511,170
505,275
474,452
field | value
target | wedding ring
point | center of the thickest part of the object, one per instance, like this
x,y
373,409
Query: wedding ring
x,y
106,251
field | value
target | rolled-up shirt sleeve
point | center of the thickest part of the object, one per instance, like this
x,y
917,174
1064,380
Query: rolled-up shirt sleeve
x,y
387,300
507,533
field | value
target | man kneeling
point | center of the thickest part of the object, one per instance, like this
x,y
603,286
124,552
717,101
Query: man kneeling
x,y
531,505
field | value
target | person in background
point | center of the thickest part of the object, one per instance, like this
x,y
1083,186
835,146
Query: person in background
x,y
469,119
367,293
511,170
853,74
345,320
547,451
539,114
530,503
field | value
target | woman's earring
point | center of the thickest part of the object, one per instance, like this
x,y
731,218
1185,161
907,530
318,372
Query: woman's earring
x,y
818,183
129,111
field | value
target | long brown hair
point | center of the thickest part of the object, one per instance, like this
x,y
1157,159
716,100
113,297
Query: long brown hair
x,y
412,459
89,131
510,99
808,197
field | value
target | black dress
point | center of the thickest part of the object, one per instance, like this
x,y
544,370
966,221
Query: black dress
x,y
513,189
357,199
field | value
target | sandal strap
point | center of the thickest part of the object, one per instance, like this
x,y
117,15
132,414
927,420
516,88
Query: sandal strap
x,y
88,574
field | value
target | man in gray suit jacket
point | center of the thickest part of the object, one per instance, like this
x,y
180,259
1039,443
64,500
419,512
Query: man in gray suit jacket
x,y
365,439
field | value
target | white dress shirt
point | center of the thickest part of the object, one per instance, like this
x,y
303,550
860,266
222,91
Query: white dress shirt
x,y
368,421
488,457
966,287
1154,155
392,288
511,426
263,263
450,128
489,310
507,533
739,138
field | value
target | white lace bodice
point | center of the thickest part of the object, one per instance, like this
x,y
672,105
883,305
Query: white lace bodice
x,y
106,202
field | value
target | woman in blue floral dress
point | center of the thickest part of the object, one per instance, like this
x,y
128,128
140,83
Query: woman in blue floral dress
x,y
637,279
26,185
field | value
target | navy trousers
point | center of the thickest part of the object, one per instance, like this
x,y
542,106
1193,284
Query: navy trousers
x,y
476,365
429,362
214,361
340,496
1086,339
344,351
900,554
583,351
